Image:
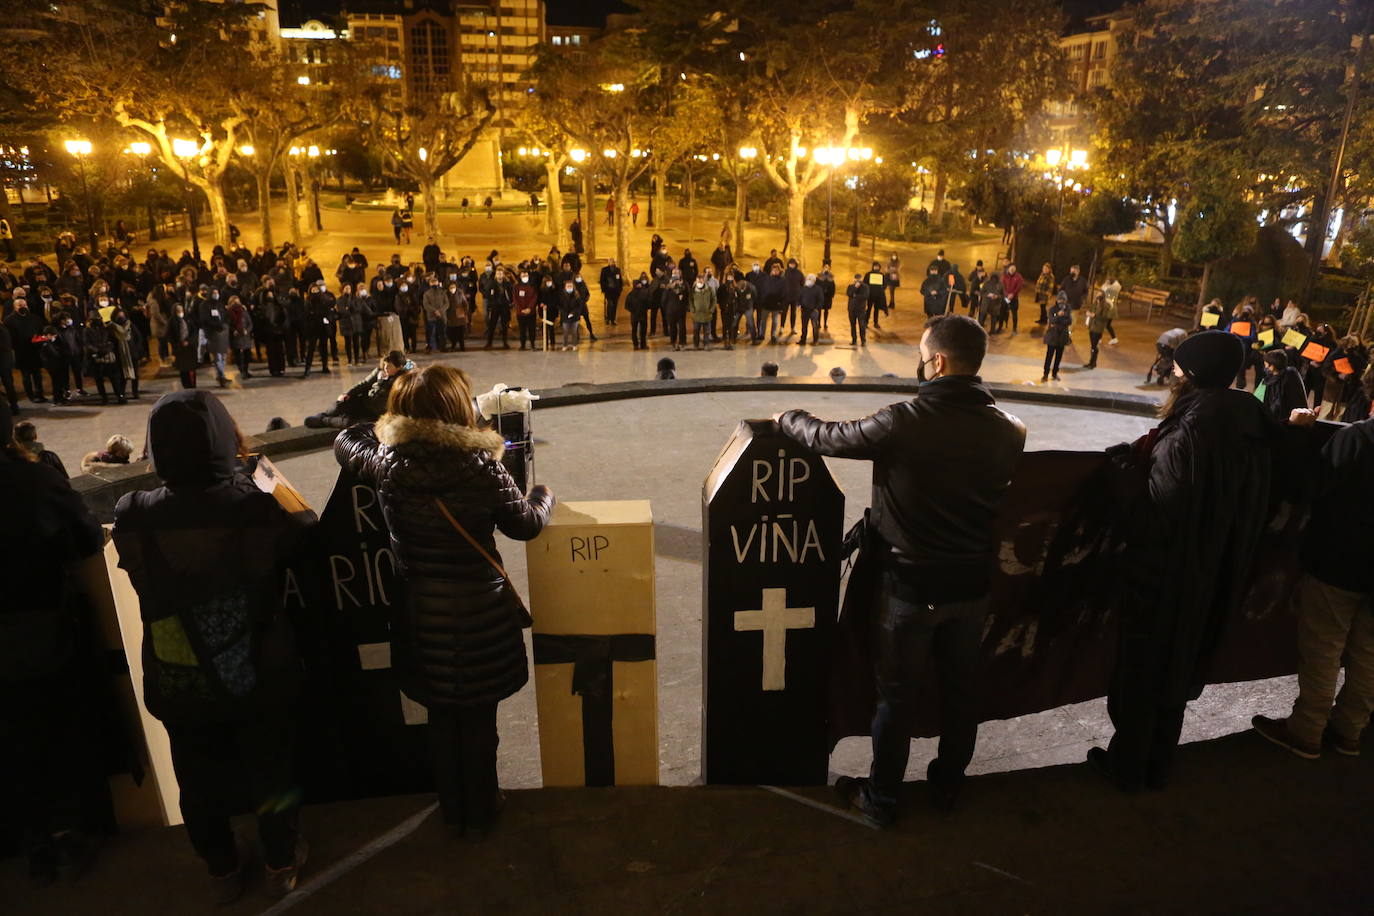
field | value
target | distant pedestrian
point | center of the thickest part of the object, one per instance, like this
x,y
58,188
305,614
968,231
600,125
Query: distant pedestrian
x,y
464,205
634,215
487,203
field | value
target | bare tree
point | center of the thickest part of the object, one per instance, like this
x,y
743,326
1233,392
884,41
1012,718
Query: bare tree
x,y
431,134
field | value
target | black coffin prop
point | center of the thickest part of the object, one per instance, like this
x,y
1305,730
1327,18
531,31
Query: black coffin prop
x,y
359,736
772,516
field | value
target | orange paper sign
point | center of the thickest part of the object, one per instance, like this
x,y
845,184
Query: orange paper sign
x,y
1240,328
1343,366
1315,352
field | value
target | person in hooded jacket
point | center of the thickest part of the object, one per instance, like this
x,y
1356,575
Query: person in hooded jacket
x,y
1201,494
24,324
206,553
934,292
675,313
71,348
1057,335
703,308
857,294
212,320
275,326
456,646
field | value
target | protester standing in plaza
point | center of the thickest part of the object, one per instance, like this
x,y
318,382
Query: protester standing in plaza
x,y
1057,336
941,463
456,646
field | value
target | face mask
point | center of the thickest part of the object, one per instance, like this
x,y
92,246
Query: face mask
x,y
524,278
404,287
104,302
567,289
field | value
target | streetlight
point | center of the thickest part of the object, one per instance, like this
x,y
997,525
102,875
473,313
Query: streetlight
x,y
579,156
826,156
81,149
1059,160
184,150
143,150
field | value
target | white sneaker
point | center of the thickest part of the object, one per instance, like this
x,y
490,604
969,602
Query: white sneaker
x,y
1113,342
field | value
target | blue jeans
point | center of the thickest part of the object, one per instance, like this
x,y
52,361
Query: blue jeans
x,y
904,635
434,334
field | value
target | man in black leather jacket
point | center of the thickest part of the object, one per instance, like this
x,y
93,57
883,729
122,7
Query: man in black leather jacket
x,y
941,464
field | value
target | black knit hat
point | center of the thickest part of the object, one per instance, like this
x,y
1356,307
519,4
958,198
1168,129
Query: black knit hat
x,y
1211,359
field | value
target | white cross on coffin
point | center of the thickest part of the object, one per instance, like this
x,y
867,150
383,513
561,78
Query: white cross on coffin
x,y
376,655
775,619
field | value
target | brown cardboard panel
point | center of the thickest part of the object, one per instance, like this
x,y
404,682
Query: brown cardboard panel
x,y
591,593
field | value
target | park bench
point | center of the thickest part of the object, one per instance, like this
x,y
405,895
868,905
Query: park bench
x,y
1152,299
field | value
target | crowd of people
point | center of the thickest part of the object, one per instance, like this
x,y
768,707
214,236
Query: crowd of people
x,y
101,319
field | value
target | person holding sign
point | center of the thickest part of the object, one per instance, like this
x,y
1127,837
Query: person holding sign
x,y
1202,480
941,464
456,645
1281,390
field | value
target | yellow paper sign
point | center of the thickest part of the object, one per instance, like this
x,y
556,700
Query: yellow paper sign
x,y
1266,338
106,312
1210,319
1294,339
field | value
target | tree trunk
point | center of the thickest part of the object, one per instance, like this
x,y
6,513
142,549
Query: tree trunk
x,y
589,224
219,209
1166,248
796,224
690,191
554,223
1337,243
622,227
431,200
312,196
741,189
1202,293
264,177
661,196
937,206
293,204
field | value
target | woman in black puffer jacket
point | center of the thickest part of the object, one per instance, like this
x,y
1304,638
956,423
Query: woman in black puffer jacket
x,y
457,645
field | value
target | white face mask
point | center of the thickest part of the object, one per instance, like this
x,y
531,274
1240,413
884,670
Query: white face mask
x,y
404,287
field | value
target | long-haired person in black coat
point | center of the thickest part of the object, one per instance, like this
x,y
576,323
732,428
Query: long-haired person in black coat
x,y
1202,499
457,645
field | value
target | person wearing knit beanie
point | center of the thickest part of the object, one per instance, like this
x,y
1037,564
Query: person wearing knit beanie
x,y
1211,359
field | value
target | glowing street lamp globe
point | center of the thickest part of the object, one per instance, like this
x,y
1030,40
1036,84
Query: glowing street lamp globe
x,y
78,147
184,149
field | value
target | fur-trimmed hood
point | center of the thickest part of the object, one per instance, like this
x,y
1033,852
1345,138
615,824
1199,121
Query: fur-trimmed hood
x,y
395,430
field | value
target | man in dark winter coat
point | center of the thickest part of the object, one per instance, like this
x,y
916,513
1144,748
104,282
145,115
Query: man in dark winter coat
x,y
1201,496
793,280
1075,286
24,324
941,464
637,304
612,285
206,554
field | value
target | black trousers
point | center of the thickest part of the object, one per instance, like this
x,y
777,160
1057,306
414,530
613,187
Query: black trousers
x,y
1147,724
612,303
225,769
811,317
499,319
116,380
729,325
639,330
526,330
858,328
457,336
676,326
32,380
1053,356
327,345
905,634
276,354
462,746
